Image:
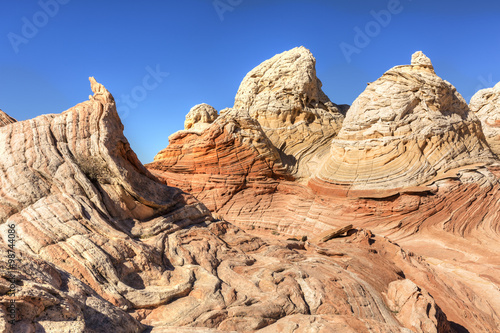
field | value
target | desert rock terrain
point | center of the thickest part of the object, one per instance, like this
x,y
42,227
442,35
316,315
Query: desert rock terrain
x,y
283,213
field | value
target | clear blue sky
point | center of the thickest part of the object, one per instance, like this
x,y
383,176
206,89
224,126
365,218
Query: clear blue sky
x,y
207,51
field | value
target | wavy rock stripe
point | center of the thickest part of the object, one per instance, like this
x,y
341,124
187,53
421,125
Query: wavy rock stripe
x,y
406,129
105,246
411,163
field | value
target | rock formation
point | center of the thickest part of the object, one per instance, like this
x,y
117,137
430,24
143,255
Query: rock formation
x,y
406,130
200,117
225,231
411,162
5,119
80,199
104,246
284,95
486,104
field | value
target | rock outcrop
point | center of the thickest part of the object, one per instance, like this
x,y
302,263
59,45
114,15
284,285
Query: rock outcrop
x,y
411,162
5,119
105,246
80,199
224,231
486,104
284,95
200,117
230,155
405,131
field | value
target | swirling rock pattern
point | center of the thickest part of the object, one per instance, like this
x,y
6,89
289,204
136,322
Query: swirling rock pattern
x,y
104,246
411,162
284,95
405,130
486,104
199,117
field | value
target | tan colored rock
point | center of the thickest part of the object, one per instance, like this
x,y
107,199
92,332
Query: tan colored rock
x,y
421,61
285,96
405,130
80,199
486,104
5,119
51,300
200,117
333,233
415,308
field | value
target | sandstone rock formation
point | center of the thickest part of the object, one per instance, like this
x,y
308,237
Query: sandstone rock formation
x,y
106,247
486,104
80,199
415,307
200,117
5,119
233,153
284,95
411,162
406,130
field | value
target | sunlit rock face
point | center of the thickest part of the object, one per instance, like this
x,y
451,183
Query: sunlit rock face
x,y
405,130
5,119
81,200
486,104
284,95
410,162
200,117
223,231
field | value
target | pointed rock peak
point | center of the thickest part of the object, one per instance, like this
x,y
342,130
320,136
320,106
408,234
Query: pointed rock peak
x,y
200,116
420,60
101,94
5,119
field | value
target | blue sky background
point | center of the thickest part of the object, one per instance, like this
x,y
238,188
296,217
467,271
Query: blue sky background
x,y
207,53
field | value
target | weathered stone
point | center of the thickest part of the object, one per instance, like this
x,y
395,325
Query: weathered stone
x,y
326,236
200,117
415,308
284,95
486,104
405,131
5,119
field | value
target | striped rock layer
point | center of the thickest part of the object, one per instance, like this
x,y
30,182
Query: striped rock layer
x,y
486,104
411,163
284,95
407,129
104,246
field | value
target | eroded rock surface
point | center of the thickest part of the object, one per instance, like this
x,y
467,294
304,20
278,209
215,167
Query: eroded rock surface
x,y
5,119
486,104
411,162
80,199
200,117
284,95
405,130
